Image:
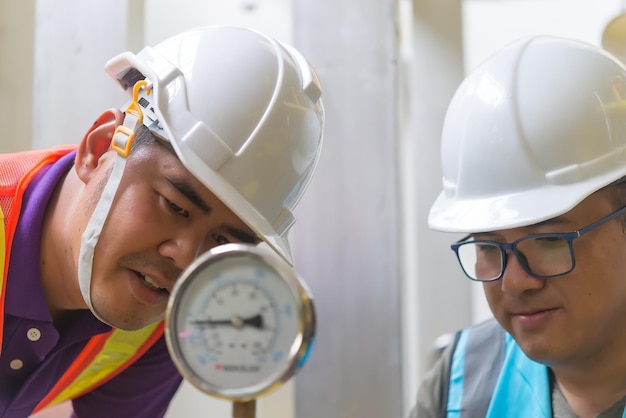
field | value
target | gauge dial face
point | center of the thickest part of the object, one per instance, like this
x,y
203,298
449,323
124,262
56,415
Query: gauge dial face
x,y
236,325
238,316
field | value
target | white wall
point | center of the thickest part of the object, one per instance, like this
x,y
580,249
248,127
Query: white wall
x,y
165,17
17,22
71,87
346,240
435,296
489,25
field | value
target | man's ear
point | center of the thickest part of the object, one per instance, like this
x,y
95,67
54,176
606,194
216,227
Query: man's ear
x,y
96,142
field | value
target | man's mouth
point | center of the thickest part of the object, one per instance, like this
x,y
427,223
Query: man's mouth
x,y
534,318
531,312
151,284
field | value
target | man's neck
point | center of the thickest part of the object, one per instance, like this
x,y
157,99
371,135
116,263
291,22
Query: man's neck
x,y
593,387
59,250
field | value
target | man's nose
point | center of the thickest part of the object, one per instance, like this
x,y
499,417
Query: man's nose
x,y
185,247
515,278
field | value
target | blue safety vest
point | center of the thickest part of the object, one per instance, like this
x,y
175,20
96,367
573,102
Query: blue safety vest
x,y
491,377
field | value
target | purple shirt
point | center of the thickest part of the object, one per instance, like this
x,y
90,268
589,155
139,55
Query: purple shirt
x,y
35,354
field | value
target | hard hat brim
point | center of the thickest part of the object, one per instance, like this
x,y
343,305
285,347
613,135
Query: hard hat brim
x,y
514,210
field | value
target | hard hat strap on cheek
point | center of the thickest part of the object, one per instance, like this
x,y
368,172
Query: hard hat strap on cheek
x,y
121,142
92,232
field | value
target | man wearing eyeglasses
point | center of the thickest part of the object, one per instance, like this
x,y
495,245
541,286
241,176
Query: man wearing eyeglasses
x,y
534,176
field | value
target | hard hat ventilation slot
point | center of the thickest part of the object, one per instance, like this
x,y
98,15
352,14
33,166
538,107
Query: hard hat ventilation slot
x,y
131,77
144,103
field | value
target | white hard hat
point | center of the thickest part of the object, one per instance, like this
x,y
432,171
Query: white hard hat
x,y
530,133
243,113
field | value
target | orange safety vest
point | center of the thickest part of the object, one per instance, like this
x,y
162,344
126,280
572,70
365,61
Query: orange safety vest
x,y
105,355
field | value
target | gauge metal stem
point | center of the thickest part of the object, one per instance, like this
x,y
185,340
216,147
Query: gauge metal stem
x,y
244,409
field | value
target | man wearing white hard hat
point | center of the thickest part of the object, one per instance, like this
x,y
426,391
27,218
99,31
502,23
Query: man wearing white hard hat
x,y
534,176
219,139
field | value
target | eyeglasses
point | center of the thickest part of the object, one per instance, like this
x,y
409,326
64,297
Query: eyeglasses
x,y
540,255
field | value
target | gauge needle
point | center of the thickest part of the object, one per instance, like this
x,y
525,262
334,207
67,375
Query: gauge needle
x,y
236,321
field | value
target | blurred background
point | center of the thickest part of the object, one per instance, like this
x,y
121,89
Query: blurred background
x,y
385,286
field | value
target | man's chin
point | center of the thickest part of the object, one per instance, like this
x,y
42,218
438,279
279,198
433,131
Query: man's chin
x,y
128,323
540,350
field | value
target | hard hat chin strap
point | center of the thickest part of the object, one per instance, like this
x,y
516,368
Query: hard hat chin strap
x,y
92,232
121,142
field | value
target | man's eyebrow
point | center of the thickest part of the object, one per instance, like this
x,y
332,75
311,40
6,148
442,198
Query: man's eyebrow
x,y
189,192
185,188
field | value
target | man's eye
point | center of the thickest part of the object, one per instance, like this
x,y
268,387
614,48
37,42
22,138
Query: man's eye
x,y
550,238
177,209
221,239
551,241
487,247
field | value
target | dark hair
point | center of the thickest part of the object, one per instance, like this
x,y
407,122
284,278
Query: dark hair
x,y
143,137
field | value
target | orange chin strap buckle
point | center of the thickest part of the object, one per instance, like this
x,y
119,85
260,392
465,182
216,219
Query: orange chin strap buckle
x,y
124,135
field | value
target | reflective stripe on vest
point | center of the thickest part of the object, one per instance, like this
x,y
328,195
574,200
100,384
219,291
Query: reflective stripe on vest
x,y
105,355
471,383
491,377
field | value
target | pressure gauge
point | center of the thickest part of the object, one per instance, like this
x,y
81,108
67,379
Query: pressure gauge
x,y
239,322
